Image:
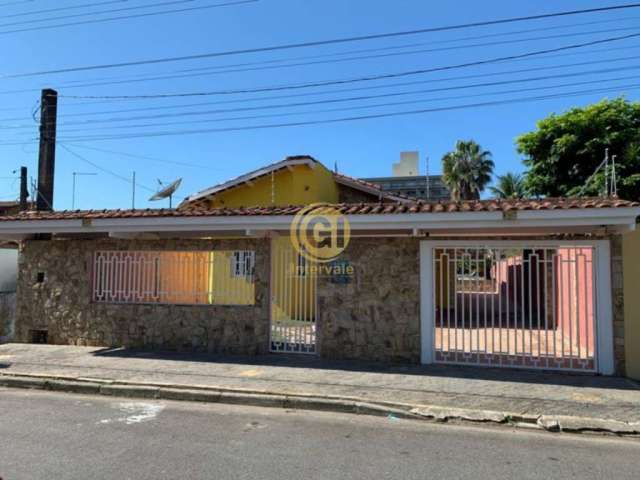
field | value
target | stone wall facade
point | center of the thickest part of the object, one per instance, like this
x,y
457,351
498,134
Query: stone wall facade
x,y
54,294
7,316
375,314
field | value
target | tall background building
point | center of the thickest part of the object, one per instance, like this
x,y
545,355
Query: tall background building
x,y
406,180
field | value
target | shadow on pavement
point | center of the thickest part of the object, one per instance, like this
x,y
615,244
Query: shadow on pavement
x,y
441,371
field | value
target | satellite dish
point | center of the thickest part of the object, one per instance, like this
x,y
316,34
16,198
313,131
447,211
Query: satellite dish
x,y
167,191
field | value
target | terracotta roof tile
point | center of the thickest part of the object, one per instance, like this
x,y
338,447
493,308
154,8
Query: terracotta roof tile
x,y
349,209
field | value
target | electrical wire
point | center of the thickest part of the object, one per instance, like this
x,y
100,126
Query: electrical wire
x,y
316,43
348,119
18,2
59,9
341,109
79,103
102,169
156,77
86,14
334,91
338,100
338,54
345,119
360,79
144,157
128,17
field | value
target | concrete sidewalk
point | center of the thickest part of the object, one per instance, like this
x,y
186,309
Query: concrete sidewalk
x,y
551,401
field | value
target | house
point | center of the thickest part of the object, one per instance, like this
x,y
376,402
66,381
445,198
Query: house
x,y
296,180
512,283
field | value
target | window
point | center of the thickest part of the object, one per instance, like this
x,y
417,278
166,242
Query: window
x,y
243,263
174,277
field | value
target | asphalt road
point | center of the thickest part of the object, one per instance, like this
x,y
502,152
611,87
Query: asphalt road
x,y
46,435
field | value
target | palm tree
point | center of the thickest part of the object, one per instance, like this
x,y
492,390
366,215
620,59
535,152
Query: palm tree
x,y
509,185
467,170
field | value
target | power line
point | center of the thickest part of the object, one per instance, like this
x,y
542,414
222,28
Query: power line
x,y
360,79
144,157
324,42
59,9
74,84
81,104
252,108
127,17
349,108
86,14
346,119
70,140
102,169
341,100
269,64
172,76
351,89
17,2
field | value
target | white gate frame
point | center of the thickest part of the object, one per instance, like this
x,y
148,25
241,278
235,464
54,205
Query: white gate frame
x,y
604,360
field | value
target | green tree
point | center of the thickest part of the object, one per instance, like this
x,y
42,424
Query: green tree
x,y
509,185
467,170
565,150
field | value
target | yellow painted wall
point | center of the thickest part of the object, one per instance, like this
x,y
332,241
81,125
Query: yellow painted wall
x,y
631,271
301,185
294,296
203,278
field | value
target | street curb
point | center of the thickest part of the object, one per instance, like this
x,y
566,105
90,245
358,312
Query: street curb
x,y
109,387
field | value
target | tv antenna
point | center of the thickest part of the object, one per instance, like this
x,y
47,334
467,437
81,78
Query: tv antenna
x,y
166,191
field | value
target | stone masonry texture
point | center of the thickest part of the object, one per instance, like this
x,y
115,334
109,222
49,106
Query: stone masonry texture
x,y
375,315
61,304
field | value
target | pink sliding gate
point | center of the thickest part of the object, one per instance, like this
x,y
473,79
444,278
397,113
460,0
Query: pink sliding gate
x,y
531,307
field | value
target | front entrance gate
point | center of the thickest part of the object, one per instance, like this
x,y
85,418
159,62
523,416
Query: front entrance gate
x,y
294,303
531,306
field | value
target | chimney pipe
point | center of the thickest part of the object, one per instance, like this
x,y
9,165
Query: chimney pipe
x,y
47,154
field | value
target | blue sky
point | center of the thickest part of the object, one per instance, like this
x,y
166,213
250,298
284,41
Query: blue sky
x,y
363,148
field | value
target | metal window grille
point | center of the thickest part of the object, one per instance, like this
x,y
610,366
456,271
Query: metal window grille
x,y
174,277
243,263
517,307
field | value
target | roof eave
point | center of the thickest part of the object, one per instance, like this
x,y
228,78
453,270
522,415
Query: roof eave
x,y
621,219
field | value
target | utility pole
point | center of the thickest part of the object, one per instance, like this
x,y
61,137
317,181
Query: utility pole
x,y
24,193
47,153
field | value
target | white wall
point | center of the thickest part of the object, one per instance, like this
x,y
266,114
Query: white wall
x,y
8,269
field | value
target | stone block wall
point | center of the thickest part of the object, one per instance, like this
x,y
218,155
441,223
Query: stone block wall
x,y
61,303
7,316
376,315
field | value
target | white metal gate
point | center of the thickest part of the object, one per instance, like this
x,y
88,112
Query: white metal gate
x,y
293,300
526,306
